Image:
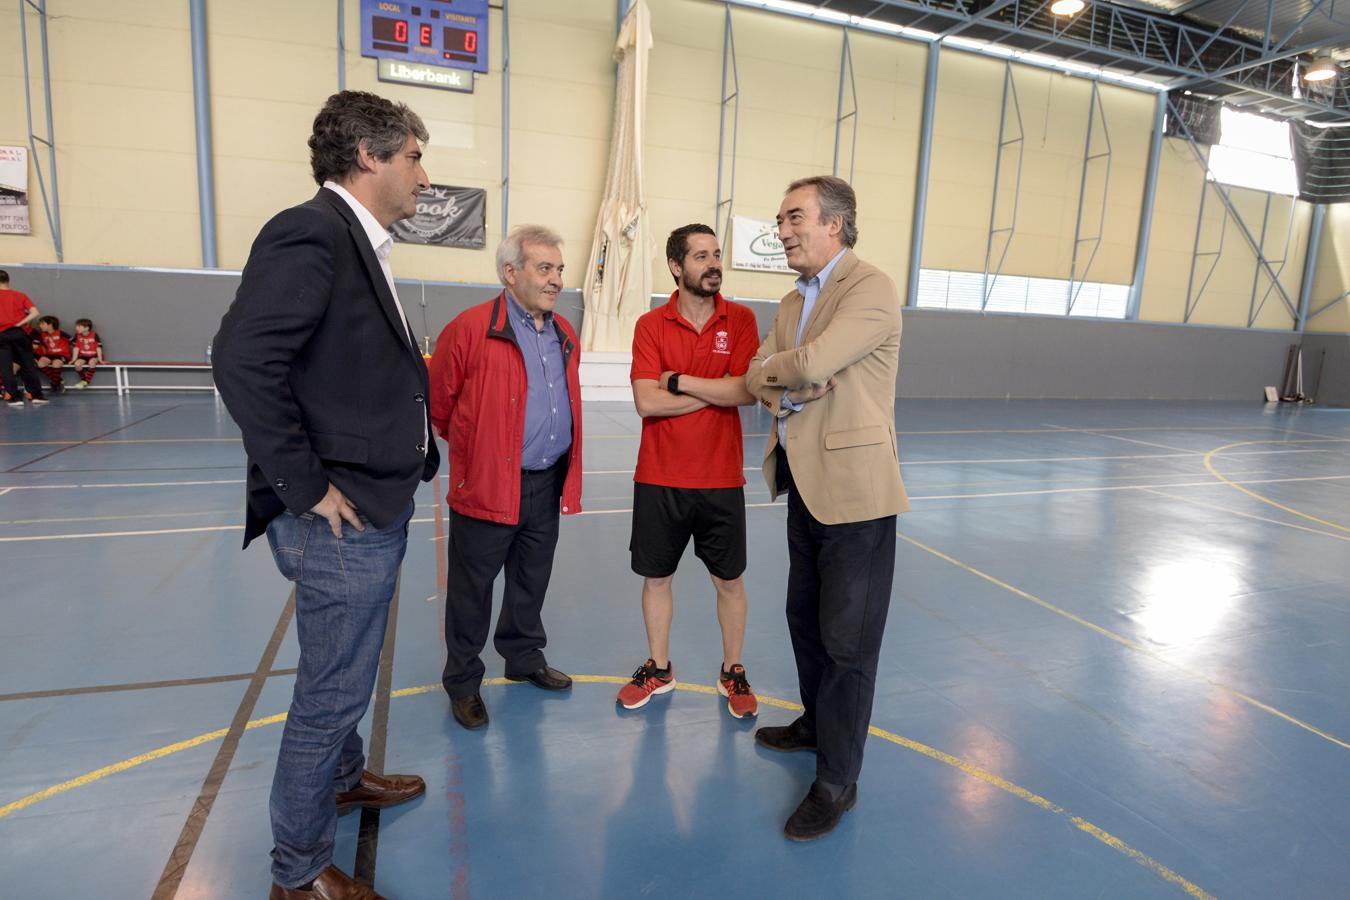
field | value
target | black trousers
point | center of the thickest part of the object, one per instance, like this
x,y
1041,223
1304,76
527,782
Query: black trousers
x,y
17,347
477,550
838,594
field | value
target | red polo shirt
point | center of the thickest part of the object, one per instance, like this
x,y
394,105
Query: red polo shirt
x,y
14,305
701,449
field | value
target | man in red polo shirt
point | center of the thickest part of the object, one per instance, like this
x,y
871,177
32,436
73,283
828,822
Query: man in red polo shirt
x,y
689,362
16,345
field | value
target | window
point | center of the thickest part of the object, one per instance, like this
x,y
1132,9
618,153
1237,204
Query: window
x,y
940,289
1253,152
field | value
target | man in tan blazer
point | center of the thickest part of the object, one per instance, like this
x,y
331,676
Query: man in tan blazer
x,y
827,373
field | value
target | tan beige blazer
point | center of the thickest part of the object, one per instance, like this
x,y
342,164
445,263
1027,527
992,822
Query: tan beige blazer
x,y
842,446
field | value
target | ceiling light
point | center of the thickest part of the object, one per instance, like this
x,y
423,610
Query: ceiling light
x,y
1322,69
1067,7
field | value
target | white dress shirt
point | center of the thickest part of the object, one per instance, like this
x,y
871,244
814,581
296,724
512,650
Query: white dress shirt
x,y
383,245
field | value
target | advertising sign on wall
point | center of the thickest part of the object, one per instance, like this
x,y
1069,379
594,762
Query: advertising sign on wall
x,y
447,217
755,245
14,190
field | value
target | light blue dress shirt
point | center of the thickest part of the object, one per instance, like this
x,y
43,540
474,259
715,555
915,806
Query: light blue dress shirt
x,y
810,290
548,411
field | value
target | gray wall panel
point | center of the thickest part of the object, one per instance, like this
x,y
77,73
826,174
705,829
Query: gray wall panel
x,y
149,315
171,315
1335,367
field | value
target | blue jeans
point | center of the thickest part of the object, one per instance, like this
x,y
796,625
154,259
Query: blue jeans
x,y
342,595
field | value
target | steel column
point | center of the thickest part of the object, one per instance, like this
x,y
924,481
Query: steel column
x,y
342,44
1009,87
846,59
723,227
1256,270
1095,108
506,118
1146,216
201,106
52,208
921,186
1310,265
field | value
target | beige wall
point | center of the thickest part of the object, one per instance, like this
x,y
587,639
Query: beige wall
x,y
1054,129
1226,298
122,95
123,127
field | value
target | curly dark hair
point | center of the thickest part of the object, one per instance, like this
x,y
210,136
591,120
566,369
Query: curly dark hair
x,y
677,245
352,118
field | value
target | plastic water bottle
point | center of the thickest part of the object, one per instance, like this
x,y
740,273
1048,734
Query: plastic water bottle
x,y
208,351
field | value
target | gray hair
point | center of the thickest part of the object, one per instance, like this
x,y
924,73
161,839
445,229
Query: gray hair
x,y
350,119
512,248
836,198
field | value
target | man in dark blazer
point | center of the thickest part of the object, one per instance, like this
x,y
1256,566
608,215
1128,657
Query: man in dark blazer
x,y
333,460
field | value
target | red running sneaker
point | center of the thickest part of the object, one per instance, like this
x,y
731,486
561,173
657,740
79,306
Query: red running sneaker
x,y
740,699
647,680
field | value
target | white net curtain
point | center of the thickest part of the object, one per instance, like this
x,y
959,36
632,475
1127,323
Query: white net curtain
x,y
619,279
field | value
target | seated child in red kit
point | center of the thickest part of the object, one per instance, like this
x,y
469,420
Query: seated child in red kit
x,y
52,350
88,351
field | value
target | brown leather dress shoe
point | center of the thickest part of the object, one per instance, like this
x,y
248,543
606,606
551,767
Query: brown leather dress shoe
x,y
332,884
469,711
380,791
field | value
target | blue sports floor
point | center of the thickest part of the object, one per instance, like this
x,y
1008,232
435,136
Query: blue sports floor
x,y
1117,665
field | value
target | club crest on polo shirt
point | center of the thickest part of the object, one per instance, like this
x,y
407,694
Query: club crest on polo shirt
x,y
721,344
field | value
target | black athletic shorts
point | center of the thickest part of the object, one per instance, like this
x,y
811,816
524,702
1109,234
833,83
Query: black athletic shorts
x,y
664,518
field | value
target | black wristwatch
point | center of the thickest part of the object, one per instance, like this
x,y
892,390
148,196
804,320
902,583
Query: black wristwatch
x,y
673,384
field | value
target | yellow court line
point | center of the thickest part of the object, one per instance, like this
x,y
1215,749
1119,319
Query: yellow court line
x,y
933,753
1209,464
1124,641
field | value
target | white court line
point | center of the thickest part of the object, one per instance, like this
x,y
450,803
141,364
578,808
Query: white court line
x,y
612,512
1245,515
137,484
903,464
1051,459
1115,437
1125,487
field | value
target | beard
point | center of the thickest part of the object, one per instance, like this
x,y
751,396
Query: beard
x,y
696,287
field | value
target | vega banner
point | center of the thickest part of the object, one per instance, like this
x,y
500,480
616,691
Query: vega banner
x,y
755,246
447,217
14,191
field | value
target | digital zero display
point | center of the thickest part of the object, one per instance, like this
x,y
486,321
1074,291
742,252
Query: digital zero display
x,y
460,44
449,33
389,34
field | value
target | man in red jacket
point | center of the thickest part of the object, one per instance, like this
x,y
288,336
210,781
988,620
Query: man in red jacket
x,y
506,395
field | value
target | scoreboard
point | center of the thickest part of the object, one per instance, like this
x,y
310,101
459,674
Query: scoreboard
x,y
431,32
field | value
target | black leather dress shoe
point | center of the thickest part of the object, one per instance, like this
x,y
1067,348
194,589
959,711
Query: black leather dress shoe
x,y
469,711
819,812
786,738
546,677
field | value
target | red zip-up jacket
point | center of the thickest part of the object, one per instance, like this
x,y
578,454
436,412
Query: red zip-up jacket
x,y
478,391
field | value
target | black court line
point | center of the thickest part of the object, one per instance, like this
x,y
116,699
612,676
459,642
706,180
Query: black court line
x,y
94,438
177,865
368,837
141,685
